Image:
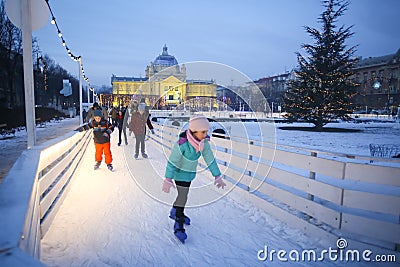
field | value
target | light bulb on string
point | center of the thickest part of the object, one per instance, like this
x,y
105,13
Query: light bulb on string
x,y
53,21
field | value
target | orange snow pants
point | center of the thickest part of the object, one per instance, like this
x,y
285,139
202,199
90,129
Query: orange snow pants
x,y
99,152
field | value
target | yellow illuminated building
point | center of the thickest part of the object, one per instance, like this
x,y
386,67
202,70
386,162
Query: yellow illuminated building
x,y
165,85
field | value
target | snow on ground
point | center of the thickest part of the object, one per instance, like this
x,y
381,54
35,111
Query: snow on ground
x,y
120,218
341,142
12,147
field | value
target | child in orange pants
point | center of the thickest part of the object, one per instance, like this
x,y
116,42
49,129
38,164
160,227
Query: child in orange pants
x,y
101,135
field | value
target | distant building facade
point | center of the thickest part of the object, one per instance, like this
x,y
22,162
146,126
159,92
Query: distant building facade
x,y
378,79
273,88
379,82
164,86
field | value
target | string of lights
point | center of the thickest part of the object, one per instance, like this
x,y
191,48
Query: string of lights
x,y
44,71
64,44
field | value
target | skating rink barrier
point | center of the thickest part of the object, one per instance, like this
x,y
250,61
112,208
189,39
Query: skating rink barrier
x,y
31,194
323,193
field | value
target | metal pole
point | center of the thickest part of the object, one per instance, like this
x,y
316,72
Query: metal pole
x,y
28,72
210,106
272,110
80,91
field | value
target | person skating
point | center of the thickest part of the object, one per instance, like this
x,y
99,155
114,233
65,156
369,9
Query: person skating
x,y
137,125
102,130
122,124
90,114
113,114
181,168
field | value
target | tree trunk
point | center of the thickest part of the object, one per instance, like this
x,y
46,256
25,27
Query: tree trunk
x,y
318,127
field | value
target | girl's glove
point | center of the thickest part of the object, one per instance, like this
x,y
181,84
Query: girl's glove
x,y
218,182
167,185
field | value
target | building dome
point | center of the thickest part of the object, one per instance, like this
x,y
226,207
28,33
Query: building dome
x,y
165,60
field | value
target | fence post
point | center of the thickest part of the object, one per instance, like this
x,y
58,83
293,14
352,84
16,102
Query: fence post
x,y
225,163
250,158
312,176
342,197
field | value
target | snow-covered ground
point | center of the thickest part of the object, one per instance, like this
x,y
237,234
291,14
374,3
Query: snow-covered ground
x,y
342,142
107,219
12,146
111,218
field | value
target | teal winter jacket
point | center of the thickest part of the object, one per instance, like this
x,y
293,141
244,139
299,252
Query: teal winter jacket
x,y
183,161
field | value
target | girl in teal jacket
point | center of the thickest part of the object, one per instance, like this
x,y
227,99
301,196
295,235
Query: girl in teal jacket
x,y
181,168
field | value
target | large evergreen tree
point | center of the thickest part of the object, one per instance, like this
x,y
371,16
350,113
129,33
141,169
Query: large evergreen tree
x,y
321,90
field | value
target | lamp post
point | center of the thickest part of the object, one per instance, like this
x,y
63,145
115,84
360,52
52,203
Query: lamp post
x,y
28,72
28,19
378,84
80,91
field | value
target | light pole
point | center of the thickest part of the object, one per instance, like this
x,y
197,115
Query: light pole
x,y
28,72
378,84
80,91
28,19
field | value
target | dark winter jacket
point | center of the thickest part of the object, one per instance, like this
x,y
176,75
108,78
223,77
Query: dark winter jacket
x,y
113,113
90,114
182,162
101,130
122,120
138,123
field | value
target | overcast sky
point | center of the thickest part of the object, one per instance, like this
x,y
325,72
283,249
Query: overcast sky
x,y
257,37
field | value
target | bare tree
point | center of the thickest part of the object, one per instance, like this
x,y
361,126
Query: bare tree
x,y
11,59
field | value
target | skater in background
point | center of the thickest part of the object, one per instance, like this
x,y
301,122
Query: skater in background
x,y
137,125
102,130
181,168
122,125
134,108
134,105
113,115
84,114
90,114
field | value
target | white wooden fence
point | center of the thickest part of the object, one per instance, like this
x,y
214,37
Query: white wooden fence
x,y
319,192
31,194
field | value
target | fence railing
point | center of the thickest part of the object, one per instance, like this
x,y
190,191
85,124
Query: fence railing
x,y
384,150
31,194
357,197
211,114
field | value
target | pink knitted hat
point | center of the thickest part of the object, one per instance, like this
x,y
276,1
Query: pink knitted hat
x,y
199,123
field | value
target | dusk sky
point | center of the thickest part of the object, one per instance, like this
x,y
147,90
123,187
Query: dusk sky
x,y
257,37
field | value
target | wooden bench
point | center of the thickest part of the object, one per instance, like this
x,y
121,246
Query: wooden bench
x,y
4,131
